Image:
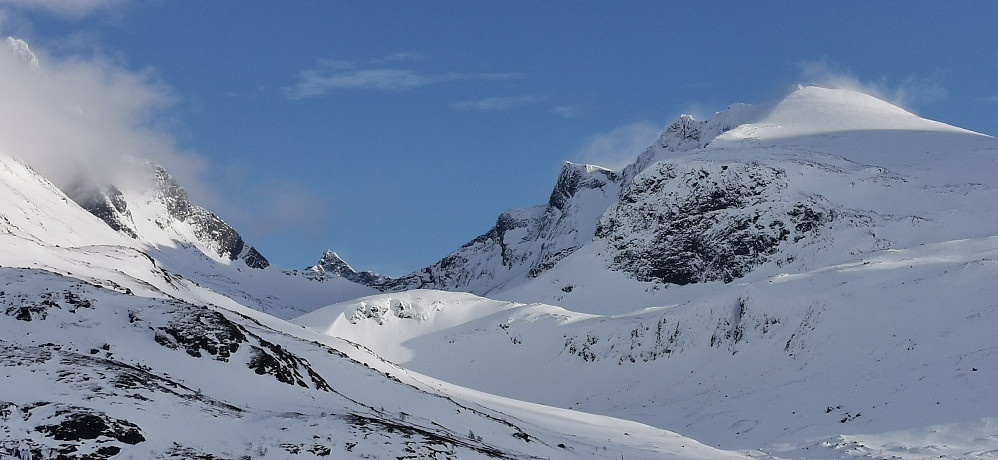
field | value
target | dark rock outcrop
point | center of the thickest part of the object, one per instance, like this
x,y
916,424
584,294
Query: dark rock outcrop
x,y
108,204
706,222
207,226
331,264
524,242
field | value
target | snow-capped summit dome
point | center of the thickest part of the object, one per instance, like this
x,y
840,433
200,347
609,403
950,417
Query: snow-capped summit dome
x,y
811,110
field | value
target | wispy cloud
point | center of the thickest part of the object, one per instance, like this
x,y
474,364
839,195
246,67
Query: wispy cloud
x,y
332,75
493,104
66,9
620,146
909,92
279,206
567,111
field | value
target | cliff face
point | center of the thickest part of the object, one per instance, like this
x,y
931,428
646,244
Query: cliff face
x,y
820,175
167,206
207,227
707,221
524,242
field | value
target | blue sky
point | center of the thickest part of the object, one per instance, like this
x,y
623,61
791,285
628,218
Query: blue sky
x,y
394,132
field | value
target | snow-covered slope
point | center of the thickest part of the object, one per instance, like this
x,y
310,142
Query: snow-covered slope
x,y
811,278
817,176
112,346
91,373
792,364
126,333
820,173
41,227
158,212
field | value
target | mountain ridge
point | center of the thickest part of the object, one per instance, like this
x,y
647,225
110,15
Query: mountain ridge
x,y
768,290
819,294
703,182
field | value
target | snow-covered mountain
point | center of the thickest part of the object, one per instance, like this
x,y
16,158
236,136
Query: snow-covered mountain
x,y
820,173
136,324
162,213
114,346
811,278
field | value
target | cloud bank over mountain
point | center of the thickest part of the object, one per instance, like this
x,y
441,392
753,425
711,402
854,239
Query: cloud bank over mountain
x,y
84,120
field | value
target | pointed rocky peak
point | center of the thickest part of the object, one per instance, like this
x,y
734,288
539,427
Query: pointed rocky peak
x,y
683,133
575,177
171,193
162,213
687,134
331,264
207,227
253,258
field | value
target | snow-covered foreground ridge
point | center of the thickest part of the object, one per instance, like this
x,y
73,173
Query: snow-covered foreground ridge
x,y
896,345
810,278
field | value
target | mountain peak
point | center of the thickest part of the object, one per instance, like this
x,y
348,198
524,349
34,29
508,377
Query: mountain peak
x,y
812,110
576,176
331,264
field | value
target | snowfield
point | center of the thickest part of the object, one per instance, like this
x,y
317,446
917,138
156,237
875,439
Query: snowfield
x,y
809,278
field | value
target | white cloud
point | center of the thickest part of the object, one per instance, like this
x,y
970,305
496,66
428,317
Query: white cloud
x,y
66,9
620,146
278,206
567,111
332,75
908,93
90,121
83,119
493,104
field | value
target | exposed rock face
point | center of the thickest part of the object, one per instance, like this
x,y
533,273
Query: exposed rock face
x,y
686,134
660,219
253,258
574,178
524,242
109,204
331,264
81,423
206,225
692,208
704,222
